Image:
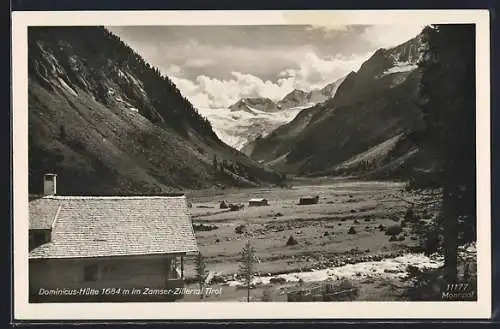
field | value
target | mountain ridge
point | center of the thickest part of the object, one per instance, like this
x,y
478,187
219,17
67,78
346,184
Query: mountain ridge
x,y
295,98
250,104
370,107
108,122
299,97
254,117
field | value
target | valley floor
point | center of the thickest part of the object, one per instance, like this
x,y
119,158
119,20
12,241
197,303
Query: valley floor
x,y
321,231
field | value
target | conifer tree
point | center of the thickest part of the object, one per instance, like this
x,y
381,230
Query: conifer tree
x,y
214,162
448,88
247,264
201,272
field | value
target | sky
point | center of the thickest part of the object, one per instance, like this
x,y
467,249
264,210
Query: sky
x,y
215,66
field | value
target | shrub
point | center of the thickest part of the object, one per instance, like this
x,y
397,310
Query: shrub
x,y
235,207
381,227
352,230
393,230
277,280
291,241
410,215
240,229
218,279
393,238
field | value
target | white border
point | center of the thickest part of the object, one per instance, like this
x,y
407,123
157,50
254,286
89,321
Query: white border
x,y
228,310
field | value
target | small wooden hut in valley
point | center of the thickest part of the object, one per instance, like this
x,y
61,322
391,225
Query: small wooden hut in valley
x,y
309,200
256,202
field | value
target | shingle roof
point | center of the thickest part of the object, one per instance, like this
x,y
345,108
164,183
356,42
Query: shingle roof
x,y
42,213
112,226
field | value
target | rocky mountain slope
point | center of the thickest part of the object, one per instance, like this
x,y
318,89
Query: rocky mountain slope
x,y
366,125
107,122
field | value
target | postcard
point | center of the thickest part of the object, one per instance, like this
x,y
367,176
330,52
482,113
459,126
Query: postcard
x,y
251,164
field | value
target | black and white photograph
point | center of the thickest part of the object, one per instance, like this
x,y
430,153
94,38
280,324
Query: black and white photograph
x,y
307,161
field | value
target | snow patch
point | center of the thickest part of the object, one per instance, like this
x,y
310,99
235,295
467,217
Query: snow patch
x,y
134,80
401,67
68,88
122,75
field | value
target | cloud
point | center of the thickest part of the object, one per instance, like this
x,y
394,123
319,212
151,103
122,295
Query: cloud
x,y
310,72
315,72
199,62
328,30
211,92
174,70
215,66
386,36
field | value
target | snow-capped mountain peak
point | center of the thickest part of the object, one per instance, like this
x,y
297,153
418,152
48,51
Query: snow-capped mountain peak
x,y
237,128
254,104
254,117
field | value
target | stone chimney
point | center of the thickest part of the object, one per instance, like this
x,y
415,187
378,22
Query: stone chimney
x,y
49,184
